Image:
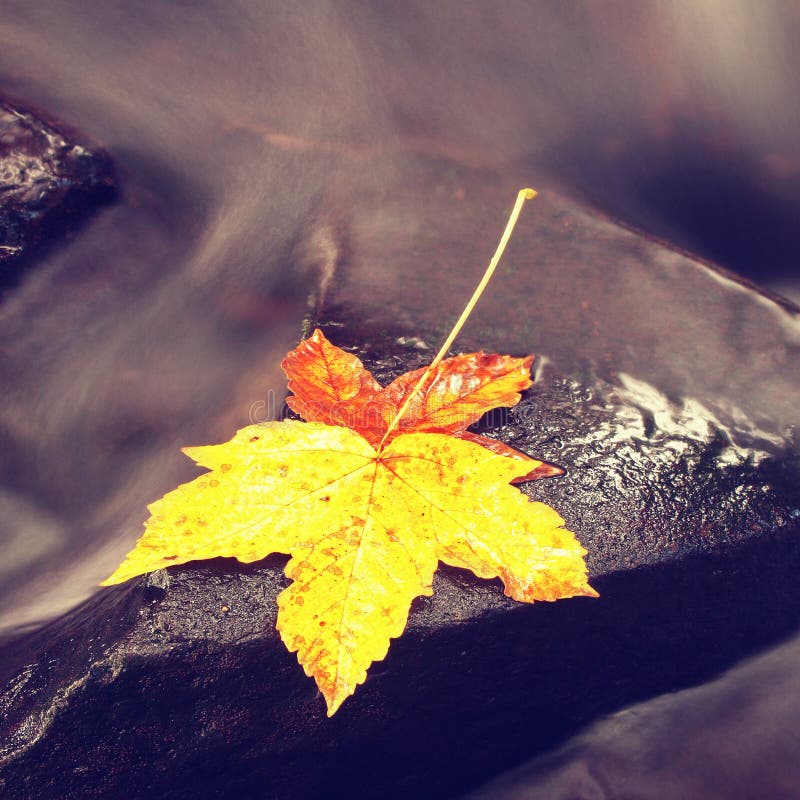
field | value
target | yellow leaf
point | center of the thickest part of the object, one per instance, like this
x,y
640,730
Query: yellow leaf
x,y
365,530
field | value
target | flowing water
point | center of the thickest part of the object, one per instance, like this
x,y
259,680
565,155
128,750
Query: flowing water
x,y
238,128
735,737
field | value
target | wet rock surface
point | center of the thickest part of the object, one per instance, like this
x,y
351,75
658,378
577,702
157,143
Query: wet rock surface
x,y
646,478
49,183
177,684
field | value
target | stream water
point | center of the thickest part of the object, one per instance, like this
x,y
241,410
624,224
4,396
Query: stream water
x,y
233,124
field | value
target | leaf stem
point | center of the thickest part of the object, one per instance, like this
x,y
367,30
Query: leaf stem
x,y
522,196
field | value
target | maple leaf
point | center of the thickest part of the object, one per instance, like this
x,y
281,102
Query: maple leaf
x,y
367,510
367,496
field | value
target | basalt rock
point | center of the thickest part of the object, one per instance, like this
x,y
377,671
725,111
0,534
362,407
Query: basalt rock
x,y
176,684
49,183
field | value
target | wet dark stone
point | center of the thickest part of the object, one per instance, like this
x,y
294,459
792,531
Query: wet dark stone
x,y
177,684
49,182
646,478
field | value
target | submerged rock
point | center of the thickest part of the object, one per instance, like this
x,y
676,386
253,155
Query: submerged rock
x,y
727,739
48,183
177,684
